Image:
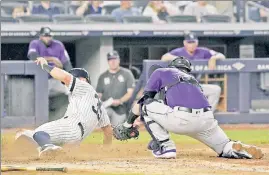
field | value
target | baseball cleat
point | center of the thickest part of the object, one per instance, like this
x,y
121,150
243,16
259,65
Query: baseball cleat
x,y
165,153
50,151
169,154
252,151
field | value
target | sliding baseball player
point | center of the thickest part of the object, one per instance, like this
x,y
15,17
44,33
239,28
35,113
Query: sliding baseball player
x,y
84,113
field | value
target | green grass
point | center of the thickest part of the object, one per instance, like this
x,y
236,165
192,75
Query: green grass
x,y
254,136
247,136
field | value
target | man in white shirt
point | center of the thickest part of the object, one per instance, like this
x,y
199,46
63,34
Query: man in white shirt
x,y
200,8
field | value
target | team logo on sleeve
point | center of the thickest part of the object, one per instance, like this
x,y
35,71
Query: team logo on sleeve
x,y
106,81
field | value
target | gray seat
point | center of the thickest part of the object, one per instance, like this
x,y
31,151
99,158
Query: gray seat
x,y
9,6
215,19
100,19
137,19
109,8
35,19
181,19
71,19
8,19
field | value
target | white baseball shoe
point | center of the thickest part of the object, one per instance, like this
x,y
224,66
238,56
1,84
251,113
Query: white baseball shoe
x,y
167,150
49,151
165,153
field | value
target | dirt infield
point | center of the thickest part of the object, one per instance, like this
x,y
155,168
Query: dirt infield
x,y
135,158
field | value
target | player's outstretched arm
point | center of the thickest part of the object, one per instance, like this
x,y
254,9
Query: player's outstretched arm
x,y
55,72
107,135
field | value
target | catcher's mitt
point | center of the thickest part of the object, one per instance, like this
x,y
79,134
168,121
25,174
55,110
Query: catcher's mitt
x,y
120,132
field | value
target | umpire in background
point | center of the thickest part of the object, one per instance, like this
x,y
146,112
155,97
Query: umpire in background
x,y
56,55
115,88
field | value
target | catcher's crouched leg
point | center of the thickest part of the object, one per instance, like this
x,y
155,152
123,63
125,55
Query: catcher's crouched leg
x,y
161,145
238,150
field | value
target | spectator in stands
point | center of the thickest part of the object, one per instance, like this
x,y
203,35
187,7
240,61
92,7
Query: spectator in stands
x,y
89,8
54,52
46,8
157,10
20,11
125,9
263,13
180,4
171,8
200,8
115,88
193,52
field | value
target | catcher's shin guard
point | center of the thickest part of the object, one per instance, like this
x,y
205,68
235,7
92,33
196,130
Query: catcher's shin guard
x,y
155,144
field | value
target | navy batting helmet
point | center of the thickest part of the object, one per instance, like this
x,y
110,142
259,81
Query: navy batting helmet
x,y
181,63
80,73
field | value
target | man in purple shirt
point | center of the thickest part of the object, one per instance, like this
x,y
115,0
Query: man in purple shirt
x,y
193,52
184,110
56,55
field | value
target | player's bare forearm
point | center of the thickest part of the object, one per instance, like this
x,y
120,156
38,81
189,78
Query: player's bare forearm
x,y
133,115
107,135
136,109
61,75
56,61
55,72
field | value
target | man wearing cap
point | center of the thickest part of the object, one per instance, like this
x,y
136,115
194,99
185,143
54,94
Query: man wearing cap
x,y
115,87
56,55
193,52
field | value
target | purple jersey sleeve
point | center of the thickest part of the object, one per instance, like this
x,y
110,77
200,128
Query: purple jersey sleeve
x,y
208,53
33,47
176,52
64,57
154,83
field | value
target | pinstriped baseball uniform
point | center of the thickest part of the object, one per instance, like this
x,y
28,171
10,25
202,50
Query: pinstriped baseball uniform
x,y
84,113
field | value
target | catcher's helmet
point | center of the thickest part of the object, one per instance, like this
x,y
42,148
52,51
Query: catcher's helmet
x,y
181,63
80,73
45,31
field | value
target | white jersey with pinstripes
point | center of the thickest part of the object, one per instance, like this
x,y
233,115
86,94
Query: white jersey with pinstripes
x,y
84,109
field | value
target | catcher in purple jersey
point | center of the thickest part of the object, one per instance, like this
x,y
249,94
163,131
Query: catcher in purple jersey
x,y
183,110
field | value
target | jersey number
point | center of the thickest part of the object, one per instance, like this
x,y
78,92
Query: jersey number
x,y
97,110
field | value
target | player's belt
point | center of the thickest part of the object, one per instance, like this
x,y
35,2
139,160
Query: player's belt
x,y
190,110
81,128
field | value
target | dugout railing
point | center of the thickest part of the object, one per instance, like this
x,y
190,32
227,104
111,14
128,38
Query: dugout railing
x,y
236,75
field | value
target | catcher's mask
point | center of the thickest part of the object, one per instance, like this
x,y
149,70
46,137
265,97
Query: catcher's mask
x,y
80,73
181,63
